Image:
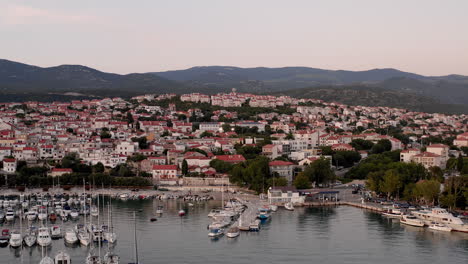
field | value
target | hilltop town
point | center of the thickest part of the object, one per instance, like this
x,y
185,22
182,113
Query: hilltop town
x,y
199,139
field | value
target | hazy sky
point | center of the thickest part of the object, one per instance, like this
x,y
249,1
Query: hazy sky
x,y
422,36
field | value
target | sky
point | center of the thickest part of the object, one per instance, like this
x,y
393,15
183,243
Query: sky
x,y
428,37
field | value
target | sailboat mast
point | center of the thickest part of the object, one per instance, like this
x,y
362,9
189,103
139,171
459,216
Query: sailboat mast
x,y
135,238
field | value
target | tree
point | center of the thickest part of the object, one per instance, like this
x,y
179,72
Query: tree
x,y
460,163
185,167
429,190
302,181
98,168
130,118
320,171
391,183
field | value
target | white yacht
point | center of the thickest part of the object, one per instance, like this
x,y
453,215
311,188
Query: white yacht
x,y
43,237
273,207
70,236
392,213
30,238
411,220
74,214
16,239
441,216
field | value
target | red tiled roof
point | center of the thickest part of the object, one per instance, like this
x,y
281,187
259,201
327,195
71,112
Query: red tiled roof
x,y
164,167
280,163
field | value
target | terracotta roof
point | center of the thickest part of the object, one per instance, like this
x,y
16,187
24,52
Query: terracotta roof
x,y
280,163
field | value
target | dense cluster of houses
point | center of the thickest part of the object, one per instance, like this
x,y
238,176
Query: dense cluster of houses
x,y
100,131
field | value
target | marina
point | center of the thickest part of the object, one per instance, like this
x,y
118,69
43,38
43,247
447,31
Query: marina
x,y
303,235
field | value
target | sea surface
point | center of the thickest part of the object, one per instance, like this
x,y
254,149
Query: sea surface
x,y
306,235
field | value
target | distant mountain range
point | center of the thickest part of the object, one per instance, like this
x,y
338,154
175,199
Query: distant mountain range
x,y
385,87
451,89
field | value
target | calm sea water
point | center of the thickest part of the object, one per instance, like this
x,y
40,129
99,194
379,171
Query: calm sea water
x,y
307,235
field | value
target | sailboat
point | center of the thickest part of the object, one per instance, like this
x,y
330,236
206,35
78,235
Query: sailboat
x,y
82,230
45,259
110,236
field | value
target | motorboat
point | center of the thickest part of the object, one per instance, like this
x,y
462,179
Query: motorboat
x,y
84,237
392,213
233,232
74,214
5,238
43,237
440,227
52,216
67,210
55,232
16,239
10,215
70,236
216,232
289,206
411,220
32,214
42,214
263,214
62,257
442,216
255,225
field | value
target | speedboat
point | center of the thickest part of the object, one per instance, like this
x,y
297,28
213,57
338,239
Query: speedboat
x,y
5,238
64,216
216,232
67,210
110,236
411,220
233,232
55,232
43,237
289,206
62,258
440,227
70,236
16,239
